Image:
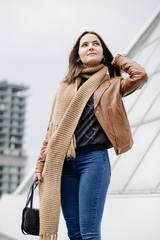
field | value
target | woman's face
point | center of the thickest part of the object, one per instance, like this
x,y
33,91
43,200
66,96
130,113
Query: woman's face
x,y
90,50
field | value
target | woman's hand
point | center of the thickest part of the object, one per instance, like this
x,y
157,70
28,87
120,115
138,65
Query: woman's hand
x,y
38,176
113,61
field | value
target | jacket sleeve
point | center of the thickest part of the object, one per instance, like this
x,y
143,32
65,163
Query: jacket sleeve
x,y
137,74
42,157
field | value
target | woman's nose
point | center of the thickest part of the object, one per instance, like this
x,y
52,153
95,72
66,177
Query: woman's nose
x,y
91,47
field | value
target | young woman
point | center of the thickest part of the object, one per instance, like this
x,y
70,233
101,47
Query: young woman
x,y
87,118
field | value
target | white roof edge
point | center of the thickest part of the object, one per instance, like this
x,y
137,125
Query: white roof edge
x,y
8,237
25,183
134,195
148,23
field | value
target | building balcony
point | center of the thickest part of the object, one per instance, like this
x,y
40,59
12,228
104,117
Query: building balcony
x,y
3,139
17,125
19,94
4,124
4,131
16,141
5,134
18,117
7,178
4,116
18,110
4,101
15,132
19,102
3,93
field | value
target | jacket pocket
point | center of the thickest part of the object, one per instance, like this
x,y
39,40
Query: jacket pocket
x,y
110,114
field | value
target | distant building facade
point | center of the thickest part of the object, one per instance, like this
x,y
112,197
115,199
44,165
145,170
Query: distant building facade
x,y
12,125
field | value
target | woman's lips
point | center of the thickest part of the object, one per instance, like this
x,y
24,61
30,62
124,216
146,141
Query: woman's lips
x,y
91,54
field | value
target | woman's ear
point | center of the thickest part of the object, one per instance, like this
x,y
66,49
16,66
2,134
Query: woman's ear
x,y
79,61
103,60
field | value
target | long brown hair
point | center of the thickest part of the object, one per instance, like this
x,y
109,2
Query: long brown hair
x,y
75,66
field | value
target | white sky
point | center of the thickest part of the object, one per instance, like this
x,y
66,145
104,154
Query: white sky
x,y
36,37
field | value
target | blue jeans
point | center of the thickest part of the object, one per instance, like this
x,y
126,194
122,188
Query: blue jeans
x,y
84,185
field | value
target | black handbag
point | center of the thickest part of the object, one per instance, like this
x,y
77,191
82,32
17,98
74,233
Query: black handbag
x,y
30,216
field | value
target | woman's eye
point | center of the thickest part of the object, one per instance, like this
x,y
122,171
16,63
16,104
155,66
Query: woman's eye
x,y
85,44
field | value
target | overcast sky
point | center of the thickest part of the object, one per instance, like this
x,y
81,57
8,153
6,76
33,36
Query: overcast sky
x,y
36,37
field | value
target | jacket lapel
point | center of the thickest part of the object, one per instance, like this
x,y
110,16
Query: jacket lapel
x,y
99,92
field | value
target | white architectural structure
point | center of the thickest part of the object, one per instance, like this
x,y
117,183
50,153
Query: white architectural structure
x,y
138,170
132,209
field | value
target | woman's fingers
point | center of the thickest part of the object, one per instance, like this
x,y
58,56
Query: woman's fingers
x,y
113,61
38,176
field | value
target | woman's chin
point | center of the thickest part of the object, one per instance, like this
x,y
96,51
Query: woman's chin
x,y
91,64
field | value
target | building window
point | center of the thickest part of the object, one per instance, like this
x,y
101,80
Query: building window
x,y
2,106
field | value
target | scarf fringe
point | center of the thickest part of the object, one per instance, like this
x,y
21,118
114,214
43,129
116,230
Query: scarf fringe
x,y
71,153
48,237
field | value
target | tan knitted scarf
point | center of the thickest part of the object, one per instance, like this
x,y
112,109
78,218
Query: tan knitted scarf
x,y
68,109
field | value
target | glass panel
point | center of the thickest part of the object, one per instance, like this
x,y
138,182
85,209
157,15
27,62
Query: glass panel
x,y
144,101
155,110
127,162
147,175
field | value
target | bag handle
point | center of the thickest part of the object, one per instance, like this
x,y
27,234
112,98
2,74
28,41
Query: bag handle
x,y
29,200
30,194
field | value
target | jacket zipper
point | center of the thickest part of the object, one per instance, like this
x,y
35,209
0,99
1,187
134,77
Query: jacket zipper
x,y
113,128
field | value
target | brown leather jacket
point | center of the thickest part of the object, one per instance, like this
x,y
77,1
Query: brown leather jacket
x,y
109,108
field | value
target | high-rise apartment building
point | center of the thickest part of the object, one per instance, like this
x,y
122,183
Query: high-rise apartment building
x,y
12,124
